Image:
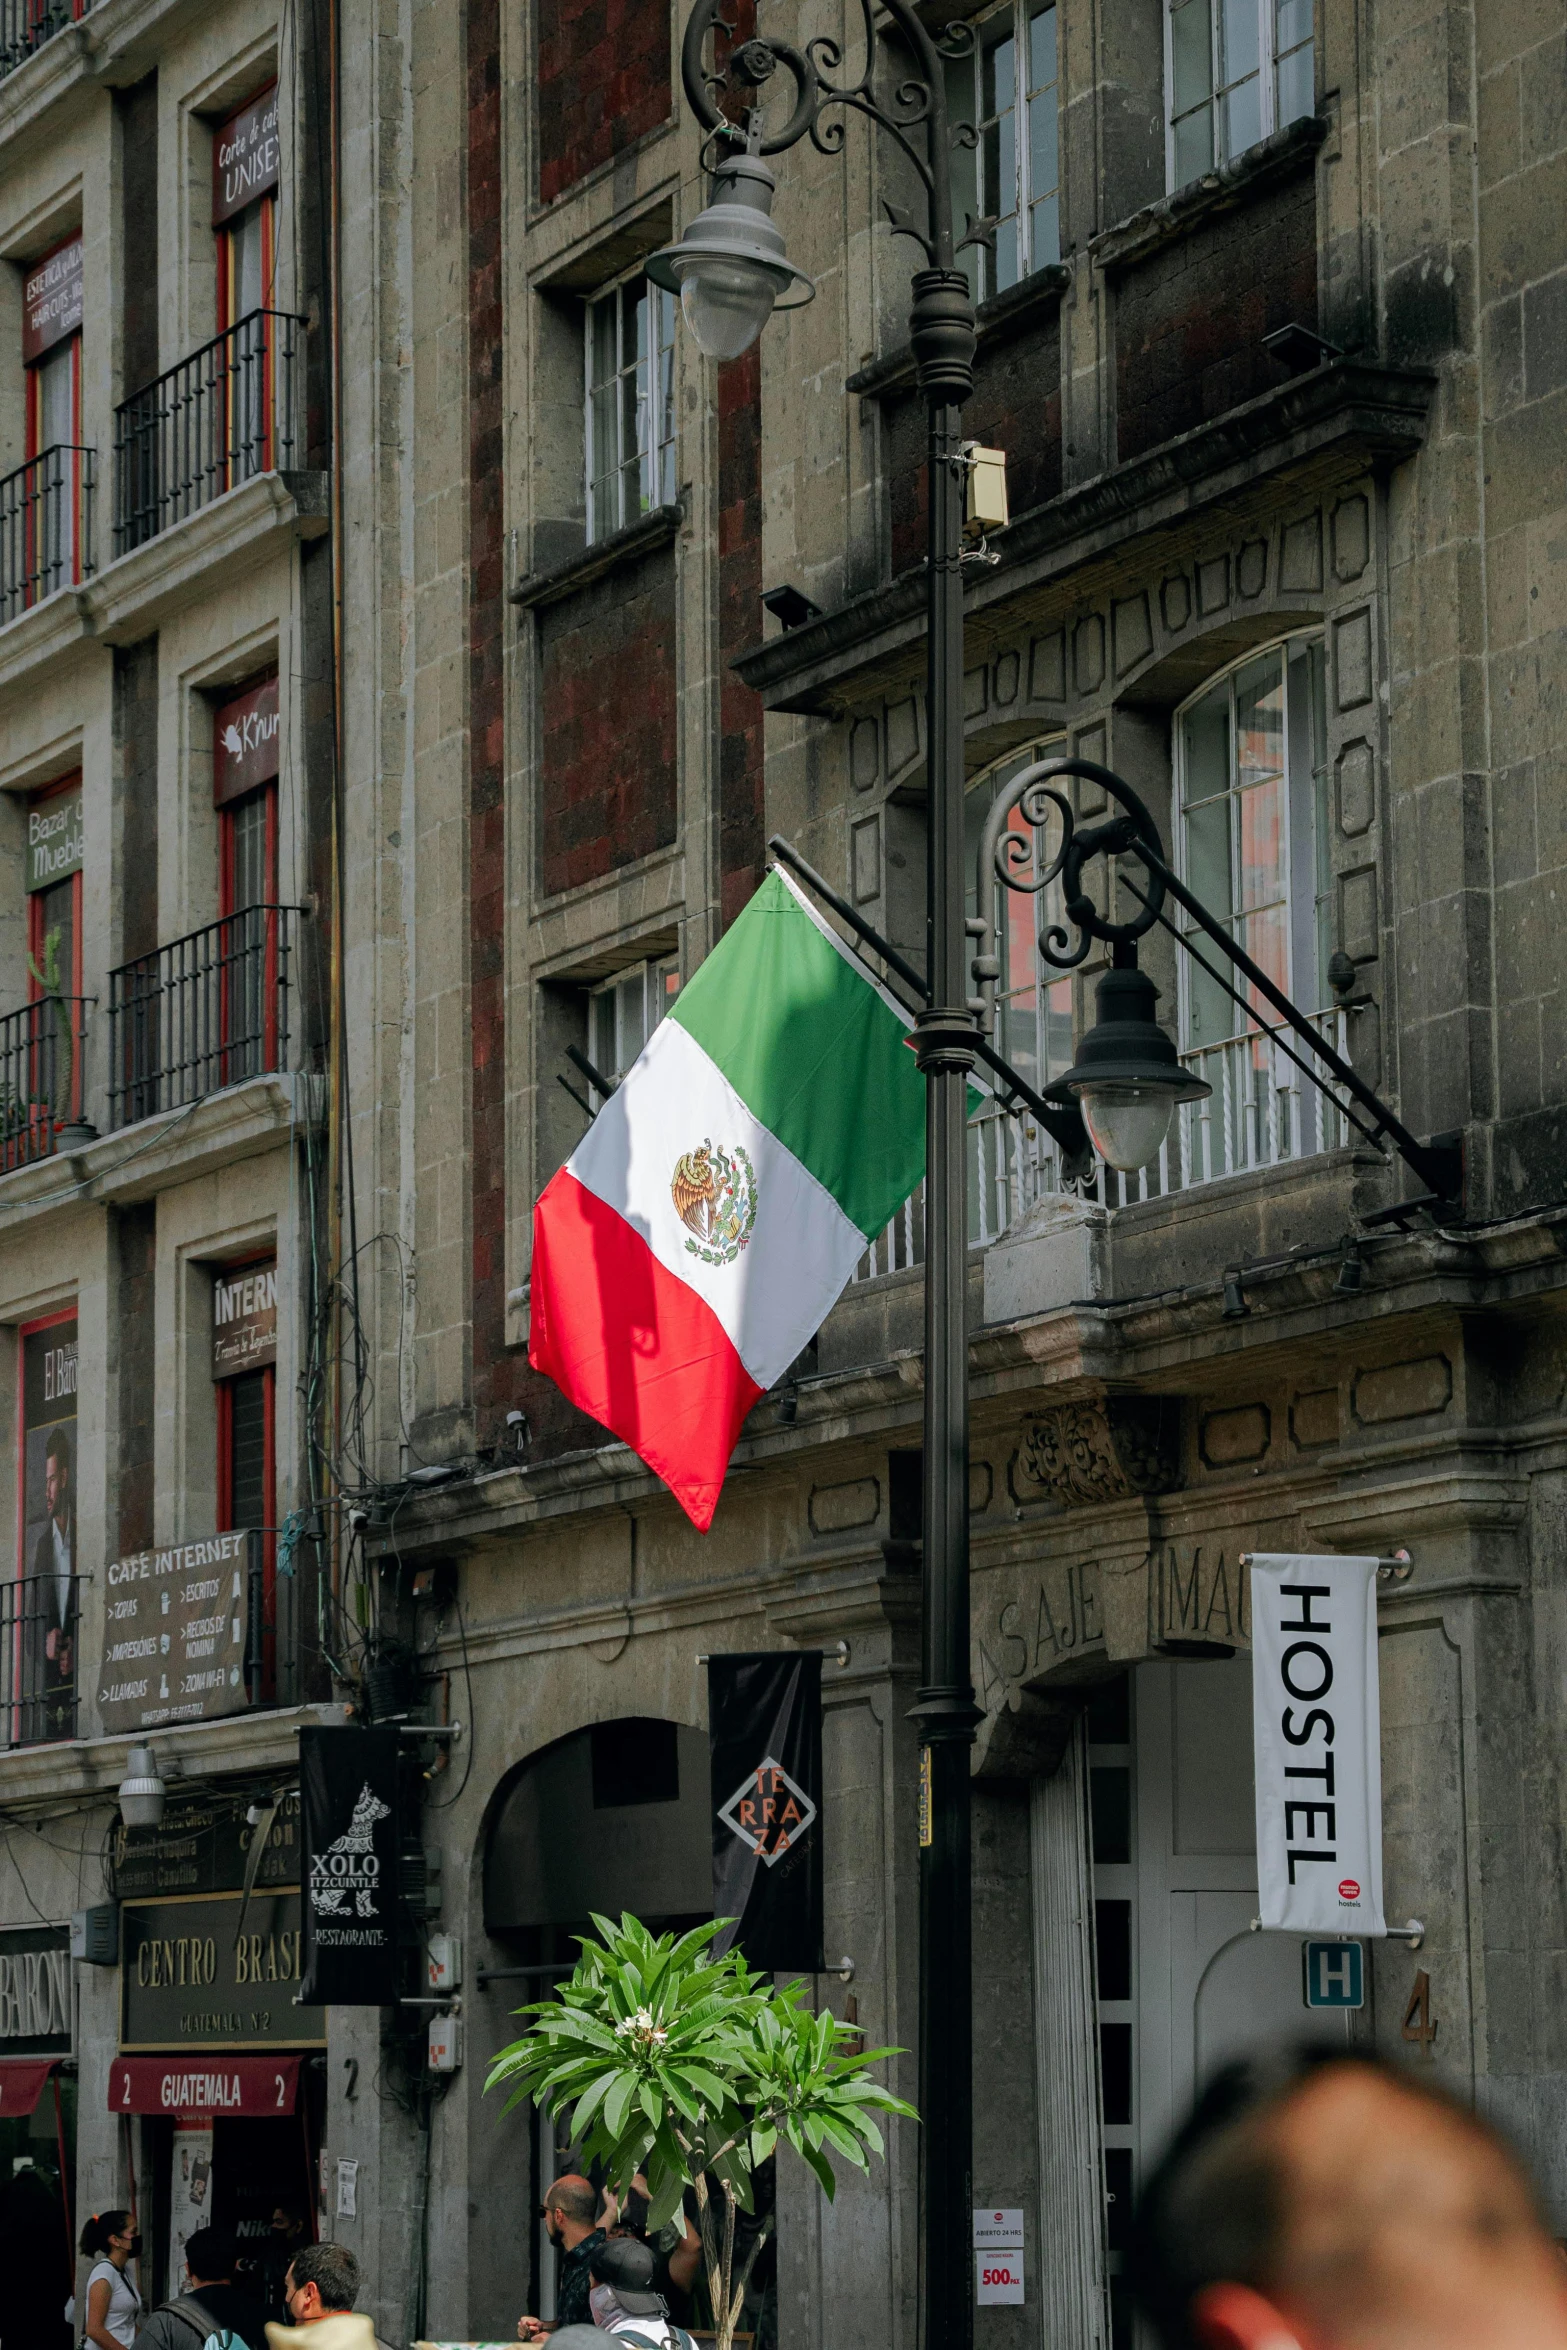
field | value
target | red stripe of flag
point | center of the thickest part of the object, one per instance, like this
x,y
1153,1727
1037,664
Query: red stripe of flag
x,y
633,1346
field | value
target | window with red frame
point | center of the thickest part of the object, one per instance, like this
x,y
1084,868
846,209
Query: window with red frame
x,y
244,1369
46,1069
244,771
51,356
245,170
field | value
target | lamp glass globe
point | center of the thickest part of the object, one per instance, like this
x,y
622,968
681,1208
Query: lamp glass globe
x,y
727,303
1127,1123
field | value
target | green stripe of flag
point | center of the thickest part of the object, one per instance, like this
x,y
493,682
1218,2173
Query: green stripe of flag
x,y
815,1054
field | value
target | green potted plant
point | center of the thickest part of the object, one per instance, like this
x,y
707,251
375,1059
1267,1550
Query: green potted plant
x,y
692,2069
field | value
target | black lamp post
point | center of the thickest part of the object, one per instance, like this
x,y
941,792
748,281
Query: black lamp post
x,y
730,269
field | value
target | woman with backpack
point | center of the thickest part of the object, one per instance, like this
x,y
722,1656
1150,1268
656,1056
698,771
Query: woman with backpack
x,y
110,2241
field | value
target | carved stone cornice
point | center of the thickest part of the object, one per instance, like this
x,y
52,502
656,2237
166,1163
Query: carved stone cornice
x,y
1099,1449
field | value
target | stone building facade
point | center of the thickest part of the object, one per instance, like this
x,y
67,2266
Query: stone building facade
x,y
1277,361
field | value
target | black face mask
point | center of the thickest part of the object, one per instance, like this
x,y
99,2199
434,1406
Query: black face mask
x,y
136,2247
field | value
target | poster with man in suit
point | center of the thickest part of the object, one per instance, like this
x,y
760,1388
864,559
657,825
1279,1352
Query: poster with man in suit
x,y
48,1561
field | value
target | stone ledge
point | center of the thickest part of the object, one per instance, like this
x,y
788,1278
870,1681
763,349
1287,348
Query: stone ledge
x,y
1332,420
1275,158
77,1769
645,537
112,45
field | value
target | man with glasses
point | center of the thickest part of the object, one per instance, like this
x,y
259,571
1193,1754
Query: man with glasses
x,y
570,2212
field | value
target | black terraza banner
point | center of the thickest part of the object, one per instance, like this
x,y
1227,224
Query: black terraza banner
x,y
765,1733
348,1799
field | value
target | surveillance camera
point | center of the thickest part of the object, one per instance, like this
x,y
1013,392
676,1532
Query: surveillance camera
x,y
359,1520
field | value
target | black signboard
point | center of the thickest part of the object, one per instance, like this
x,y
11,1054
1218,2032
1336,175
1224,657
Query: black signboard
x,y
175,1638
765,1733
35,1991
202,1845
196,1973
349,1792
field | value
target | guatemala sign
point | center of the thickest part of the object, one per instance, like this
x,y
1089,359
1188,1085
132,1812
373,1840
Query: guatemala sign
x,y
1317,1728
765,1734
348,1783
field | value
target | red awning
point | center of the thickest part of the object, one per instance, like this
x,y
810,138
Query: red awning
x,y
21,2078
209,2086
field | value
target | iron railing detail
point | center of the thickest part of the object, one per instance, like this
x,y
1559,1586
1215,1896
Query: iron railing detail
x,y
222,416
46,526
25,26
42,1049
205,1012
39,1628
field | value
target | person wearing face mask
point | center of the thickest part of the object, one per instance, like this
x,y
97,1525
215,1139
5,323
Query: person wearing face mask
x,y
1321,2199
571,2219
110,2241
622,2299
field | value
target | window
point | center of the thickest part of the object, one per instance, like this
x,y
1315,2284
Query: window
x,y
1253,845
38,1650
48,543
245,169
1033,1006
630,371
245,769
244,1365
1011,177
40,1069
623,1013
1235,71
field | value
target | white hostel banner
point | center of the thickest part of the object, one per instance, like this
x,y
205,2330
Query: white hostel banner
x,y
1317,1724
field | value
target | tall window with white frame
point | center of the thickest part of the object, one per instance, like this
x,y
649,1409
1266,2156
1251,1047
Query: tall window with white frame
x,y
630,375
1253,837
1008,88
1235,70
623,1013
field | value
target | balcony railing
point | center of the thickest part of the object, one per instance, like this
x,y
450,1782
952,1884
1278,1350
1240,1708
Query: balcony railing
x,y
1263,1112
42,1049
25,25
207,1011
38,1635
46,527
219,418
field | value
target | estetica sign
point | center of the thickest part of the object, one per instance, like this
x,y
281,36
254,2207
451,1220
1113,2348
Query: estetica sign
x,y
52,300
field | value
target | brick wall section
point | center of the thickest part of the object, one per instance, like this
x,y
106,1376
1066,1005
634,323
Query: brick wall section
x,y
603,83
487,612
137,1238
1015,405
607,687
1190,318
742,815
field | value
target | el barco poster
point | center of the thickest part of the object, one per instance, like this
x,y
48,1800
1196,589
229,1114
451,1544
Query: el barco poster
x,y
765,1740
1317,1728
348,1783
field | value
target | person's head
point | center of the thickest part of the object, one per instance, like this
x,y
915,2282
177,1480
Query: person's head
x,y
571,2210
286,2222
57,1473
321,2279
209,2257
620,2276
110,2235
1322,2200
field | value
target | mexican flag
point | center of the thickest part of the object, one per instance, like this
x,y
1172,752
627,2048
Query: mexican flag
x,y
712,1213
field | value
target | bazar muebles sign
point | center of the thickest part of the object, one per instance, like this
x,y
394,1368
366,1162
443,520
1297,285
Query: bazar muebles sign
x,y
174,1635
216,1971
54,838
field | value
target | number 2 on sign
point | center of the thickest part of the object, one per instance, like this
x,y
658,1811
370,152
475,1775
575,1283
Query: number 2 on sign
x,y
1419,2025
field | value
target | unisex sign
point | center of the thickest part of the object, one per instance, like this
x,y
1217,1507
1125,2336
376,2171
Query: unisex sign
x,y
348,1781
52,300
190,1979
765,1737
245,157
174,1639
1318,1736
54,838
244,1319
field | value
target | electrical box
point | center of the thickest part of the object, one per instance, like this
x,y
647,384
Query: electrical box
x,y
95,1934
443,1967
985,507
445,2053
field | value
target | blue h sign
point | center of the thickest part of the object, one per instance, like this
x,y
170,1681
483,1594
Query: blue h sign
x,y
1333,1974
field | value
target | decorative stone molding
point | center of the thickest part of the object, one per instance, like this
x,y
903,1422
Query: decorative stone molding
x,y
1099,1449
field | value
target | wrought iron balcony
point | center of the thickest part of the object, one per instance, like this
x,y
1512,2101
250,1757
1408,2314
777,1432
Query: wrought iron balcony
x,y
39,1630
208,1011
222,416
42,1049
46,526
25,25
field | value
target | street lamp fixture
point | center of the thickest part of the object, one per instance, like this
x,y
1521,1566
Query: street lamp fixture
x,y
143,1791
730,268
1128,1077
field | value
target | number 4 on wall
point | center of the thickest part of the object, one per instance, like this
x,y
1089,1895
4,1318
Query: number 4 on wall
x,y
1419,2025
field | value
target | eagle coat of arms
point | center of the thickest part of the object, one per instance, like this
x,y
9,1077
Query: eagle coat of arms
x,y
714,1191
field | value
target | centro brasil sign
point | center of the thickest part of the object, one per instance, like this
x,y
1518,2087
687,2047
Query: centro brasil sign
x,y
193,1973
